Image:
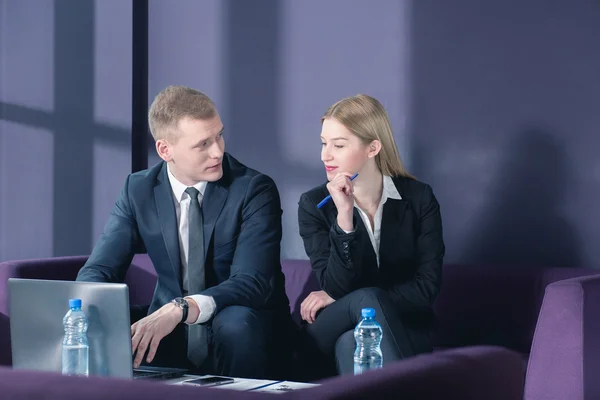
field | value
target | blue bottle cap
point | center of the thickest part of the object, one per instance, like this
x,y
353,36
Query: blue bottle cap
x,y
75,303
368,312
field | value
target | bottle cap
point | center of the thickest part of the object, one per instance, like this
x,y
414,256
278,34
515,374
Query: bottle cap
x,y
368,312
75,303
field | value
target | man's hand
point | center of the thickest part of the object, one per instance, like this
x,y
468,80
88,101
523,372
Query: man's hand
x,y
147,333
313,303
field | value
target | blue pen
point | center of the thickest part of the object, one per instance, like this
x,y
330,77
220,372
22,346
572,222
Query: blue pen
x,y
326,199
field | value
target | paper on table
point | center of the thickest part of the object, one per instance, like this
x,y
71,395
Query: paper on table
x,y
285,386
244,384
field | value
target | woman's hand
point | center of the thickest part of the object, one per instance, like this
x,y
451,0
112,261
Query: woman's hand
x,y
342,193
313,303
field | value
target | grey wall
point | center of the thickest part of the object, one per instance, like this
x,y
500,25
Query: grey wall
x,y
505,125
493,103
273,67
65,104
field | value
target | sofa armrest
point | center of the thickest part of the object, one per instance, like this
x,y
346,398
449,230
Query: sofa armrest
x,y
565,354
57,268
140,278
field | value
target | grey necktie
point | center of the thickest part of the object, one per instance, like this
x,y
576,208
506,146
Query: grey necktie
x,y
197,334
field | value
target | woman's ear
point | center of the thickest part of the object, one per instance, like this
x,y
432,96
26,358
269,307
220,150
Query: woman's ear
x,y
374,148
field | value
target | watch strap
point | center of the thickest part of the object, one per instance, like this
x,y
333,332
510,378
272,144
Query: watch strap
x,y
183,304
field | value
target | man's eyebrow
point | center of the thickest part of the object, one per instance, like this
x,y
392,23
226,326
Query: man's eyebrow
x,y
208,138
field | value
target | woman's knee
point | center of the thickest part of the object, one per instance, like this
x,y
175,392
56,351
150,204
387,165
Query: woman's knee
x,y
372,295
345,343
344,352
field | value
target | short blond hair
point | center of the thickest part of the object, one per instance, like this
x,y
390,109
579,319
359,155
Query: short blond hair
x,y
366,118
172,105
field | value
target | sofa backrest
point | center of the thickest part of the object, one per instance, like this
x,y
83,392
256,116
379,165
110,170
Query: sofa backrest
x,y
299,282
478,304
497,305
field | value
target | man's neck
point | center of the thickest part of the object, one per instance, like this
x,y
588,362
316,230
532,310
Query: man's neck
x,y
176,175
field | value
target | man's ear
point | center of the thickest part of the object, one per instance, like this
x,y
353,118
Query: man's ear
x,y
163,149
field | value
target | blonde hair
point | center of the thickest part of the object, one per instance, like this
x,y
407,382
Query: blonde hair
x,y
172,105
366,118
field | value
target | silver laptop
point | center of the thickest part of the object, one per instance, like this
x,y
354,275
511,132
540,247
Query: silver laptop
x,y
37,308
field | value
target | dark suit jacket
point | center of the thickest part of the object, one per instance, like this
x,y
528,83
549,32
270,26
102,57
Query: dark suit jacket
x,y
242,235
411,249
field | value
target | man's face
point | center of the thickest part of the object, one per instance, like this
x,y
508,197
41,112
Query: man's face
x,y
197,152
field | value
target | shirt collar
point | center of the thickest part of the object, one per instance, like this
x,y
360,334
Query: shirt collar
x,y
389,190
179,188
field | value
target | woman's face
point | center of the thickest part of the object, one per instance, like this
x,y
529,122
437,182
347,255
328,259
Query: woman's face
x,y
341,151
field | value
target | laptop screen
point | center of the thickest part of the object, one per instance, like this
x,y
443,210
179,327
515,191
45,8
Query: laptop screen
x,y
37,308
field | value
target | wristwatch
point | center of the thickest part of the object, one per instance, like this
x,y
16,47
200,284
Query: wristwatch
x,y
183,304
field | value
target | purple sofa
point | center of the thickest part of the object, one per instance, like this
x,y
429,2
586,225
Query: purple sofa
x,y
490,373
565,355
499,305
478,305
141,279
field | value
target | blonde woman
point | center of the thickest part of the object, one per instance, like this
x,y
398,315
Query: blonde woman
x,y
377,243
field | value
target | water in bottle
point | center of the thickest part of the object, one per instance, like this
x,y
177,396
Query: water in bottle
x,y
75,349
367,334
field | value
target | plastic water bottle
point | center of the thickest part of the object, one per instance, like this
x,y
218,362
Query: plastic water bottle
x,y
367,334
75,349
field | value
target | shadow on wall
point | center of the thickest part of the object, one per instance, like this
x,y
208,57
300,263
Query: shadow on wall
x,y
73,126
480,72
521,221
252,110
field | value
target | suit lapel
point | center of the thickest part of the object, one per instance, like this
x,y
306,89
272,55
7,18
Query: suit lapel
x,y
361,231
165,208
391,230
212,204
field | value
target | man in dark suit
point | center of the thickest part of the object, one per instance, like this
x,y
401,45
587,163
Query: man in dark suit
x,y
212,228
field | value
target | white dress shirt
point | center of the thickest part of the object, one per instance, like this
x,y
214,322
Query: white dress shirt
x,y
389,192
206,304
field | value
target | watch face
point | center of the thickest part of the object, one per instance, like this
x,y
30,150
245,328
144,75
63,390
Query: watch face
x,y
179,301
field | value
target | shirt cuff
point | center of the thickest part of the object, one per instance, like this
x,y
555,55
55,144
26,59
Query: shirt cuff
x,y
207,307
340,230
